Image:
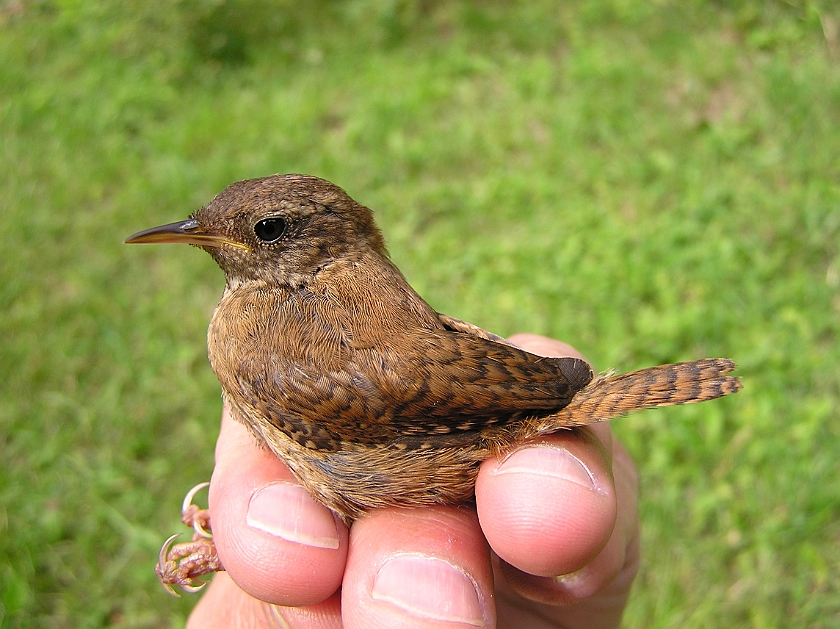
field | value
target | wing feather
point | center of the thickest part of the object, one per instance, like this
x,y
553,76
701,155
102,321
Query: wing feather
x,y
313,380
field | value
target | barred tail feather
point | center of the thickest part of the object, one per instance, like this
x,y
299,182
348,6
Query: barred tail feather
x,y
609,396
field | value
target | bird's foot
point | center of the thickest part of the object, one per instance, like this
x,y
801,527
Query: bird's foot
x,y
182,564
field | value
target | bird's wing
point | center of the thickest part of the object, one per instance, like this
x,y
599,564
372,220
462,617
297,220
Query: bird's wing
x,y
315,381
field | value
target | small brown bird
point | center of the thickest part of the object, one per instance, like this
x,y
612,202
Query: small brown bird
x,y
371,397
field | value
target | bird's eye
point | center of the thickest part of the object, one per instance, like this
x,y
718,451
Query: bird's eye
x,y
270,229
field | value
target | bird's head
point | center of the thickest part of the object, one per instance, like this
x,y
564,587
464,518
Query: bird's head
x,y
282,228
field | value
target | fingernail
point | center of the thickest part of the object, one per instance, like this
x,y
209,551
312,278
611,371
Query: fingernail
x,y
551,462
288,511
572,578
430,588
579,584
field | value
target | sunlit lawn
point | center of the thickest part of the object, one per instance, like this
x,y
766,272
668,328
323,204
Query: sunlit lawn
x,y
648,181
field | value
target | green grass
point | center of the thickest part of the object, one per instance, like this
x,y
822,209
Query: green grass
x,y
651,181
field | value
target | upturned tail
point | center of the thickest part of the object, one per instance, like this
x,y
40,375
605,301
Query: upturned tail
x,y
610,396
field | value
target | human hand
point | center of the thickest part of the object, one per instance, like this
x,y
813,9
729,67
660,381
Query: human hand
x,y
564,505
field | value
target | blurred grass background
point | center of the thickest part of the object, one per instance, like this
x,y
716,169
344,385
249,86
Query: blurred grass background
x,y
650,181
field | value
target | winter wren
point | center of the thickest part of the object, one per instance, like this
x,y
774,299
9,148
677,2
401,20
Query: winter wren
x,y
370,396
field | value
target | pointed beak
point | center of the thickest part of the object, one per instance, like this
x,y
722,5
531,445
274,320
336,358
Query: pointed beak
x,y
184,232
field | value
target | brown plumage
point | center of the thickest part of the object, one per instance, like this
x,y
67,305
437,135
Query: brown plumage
x,y
372,398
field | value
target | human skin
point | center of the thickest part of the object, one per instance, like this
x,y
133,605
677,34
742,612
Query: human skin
x,y
563,505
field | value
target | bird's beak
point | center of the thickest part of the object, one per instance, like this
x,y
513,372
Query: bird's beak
x,y
185,232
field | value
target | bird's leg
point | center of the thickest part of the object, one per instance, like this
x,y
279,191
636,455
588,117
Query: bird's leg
x,y
182,564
